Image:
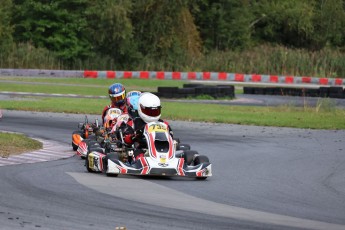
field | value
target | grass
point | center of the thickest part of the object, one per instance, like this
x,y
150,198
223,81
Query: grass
x,y
12,144
324,115
82,86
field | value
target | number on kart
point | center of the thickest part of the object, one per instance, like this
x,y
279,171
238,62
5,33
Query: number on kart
x,y
157,128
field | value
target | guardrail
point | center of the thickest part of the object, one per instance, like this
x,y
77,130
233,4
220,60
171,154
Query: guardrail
x,y
204,76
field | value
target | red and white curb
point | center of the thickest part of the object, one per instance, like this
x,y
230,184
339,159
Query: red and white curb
x,y
51,151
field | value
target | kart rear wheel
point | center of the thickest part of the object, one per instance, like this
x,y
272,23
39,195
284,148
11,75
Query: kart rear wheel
x,y
96,149
189,155
74,146
94,146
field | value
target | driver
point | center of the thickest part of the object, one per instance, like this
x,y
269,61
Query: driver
x,y
117,95
149,110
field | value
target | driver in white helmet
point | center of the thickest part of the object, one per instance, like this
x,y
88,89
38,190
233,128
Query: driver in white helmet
x,y
149,110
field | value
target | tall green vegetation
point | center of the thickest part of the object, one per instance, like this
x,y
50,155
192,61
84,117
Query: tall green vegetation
x,y
297,37
6,29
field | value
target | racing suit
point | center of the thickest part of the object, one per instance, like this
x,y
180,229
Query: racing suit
x,y
106,108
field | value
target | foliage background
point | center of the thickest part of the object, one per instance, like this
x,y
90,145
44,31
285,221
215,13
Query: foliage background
x,y
295,37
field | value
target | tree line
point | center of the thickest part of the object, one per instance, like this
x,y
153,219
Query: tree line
x,y
175,34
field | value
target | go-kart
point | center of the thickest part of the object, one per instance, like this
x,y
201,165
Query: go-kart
x,y
85,131
102,134
160,159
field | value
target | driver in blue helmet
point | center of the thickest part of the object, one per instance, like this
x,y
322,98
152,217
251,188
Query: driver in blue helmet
x,y
132,100
117,95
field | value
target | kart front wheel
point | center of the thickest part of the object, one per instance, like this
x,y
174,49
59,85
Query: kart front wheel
x,y
201,159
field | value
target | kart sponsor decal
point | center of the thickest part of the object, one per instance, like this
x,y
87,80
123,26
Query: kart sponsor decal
x,y
91,161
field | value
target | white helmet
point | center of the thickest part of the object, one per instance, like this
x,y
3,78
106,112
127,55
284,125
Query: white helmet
x,y
149,107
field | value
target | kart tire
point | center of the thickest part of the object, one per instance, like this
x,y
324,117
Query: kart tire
x,y
189,156
112,156
198,160
201,159
96,149
74,146
182,146
94,146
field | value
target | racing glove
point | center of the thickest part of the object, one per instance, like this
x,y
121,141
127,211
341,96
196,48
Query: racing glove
x,y
128,139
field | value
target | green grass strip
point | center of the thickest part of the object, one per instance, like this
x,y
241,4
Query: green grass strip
x,y
323,116
11,144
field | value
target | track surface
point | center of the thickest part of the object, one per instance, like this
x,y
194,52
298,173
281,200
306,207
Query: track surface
x,y
264,178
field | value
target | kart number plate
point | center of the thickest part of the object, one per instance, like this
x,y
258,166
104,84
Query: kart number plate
x,y
157,128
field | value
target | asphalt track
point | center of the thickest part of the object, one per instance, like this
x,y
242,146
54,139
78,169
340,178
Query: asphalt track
x,y
263,178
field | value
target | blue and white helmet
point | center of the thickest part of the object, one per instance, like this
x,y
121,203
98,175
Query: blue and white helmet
x,y
132,100
117,94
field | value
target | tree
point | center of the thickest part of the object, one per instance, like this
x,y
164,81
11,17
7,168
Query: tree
x,y
56,25
288,22
165,30
329,23
5,25
224,24
110,30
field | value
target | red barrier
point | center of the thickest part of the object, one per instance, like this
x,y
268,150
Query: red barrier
x,y
144,75
206,75
306,79
222,76
338,81
176,75
191,76
111,74
256,78
289,79
239,77
90,74
160,75
274,78
127,74
323,81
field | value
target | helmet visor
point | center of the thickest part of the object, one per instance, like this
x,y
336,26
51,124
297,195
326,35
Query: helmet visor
x,y
114,98
151,111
